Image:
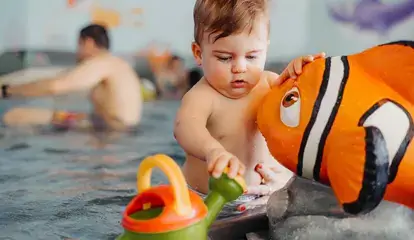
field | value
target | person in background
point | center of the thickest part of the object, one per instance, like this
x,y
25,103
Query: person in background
x,y
172,80
113,86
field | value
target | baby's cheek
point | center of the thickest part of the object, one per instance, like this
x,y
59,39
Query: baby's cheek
x,y
218,73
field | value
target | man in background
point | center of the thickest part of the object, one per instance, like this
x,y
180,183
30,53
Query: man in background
x,y
172,79
113,86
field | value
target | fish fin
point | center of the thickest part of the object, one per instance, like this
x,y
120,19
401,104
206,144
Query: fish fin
x,y
391,63
278,204
357,168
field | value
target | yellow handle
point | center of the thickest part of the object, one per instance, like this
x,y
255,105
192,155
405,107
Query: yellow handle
x,y
182,203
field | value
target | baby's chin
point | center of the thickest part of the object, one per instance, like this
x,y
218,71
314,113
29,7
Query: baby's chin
x,y
234,93
230,92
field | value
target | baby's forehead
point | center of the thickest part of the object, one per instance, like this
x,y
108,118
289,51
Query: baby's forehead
x,y
255,37
237,42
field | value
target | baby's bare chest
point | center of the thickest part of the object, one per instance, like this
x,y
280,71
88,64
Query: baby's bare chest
x,y
233,120
236,129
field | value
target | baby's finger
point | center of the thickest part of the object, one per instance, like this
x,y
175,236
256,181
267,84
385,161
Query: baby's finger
x,y
297,66
253,204
211,164
308,59
283,77
234,165
291,70
242,169
319,55
266,172
221,163
275,169
214,155
261,189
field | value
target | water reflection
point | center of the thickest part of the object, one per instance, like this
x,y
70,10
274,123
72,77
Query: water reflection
x,y
72,185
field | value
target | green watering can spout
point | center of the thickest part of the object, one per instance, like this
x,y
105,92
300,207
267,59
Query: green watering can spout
x,y
222,191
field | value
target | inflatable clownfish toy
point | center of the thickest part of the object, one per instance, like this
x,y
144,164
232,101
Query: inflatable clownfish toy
x,y
347,122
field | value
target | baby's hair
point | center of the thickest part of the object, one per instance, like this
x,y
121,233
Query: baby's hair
x,y
226,17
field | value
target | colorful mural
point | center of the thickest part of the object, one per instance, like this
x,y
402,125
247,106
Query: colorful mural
x,y
371,15
111,18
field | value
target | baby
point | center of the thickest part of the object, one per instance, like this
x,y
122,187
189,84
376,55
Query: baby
x,y
216,122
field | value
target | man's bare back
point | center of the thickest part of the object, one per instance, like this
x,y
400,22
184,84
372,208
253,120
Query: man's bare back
x,y
233,124
114,89
117,99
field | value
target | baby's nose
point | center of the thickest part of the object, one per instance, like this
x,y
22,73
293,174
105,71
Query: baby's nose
x,y
239,67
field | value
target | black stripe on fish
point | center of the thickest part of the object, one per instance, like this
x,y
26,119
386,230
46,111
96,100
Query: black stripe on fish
x,y
375,177
395,162
322,91
329,124
406,43
327,130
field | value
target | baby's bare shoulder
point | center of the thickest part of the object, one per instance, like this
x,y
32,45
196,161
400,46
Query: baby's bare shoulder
x,y
270,78
270,74
200,92
198,100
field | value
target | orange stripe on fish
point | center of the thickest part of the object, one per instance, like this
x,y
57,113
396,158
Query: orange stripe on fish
x,y
347,122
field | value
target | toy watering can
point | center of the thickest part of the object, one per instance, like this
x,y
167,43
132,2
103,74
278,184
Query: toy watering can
x,y
173,211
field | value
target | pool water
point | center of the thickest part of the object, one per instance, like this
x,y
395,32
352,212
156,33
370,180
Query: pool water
x,y
73,185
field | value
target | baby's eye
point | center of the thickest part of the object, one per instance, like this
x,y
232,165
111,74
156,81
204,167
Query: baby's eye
x,y
223,59
251,57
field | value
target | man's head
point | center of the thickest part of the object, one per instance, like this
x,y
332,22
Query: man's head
x,y
92,40
231,41
176,63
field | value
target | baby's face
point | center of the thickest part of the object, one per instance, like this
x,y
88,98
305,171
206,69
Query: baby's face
x,y
232,65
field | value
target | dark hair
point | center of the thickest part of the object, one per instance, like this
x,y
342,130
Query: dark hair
x,y
194,76
98,33
174,58
226,17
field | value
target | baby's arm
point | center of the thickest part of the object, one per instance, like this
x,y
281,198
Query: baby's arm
x,y
190,129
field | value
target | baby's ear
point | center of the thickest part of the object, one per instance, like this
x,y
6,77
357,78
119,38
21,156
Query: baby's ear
x,y
196,49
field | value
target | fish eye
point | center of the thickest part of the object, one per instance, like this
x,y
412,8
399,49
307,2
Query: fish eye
x,y
290,99
290,108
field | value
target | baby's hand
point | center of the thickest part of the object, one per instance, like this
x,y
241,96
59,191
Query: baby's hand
x,y
294,68
273,180
219,159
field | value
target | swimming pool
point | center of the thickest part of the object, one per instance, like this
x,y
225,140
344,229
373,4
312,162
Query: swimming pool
x,y
74,185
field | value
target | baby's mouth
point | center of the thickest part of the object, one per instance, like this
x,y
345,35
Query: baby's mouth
x,y
238,83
